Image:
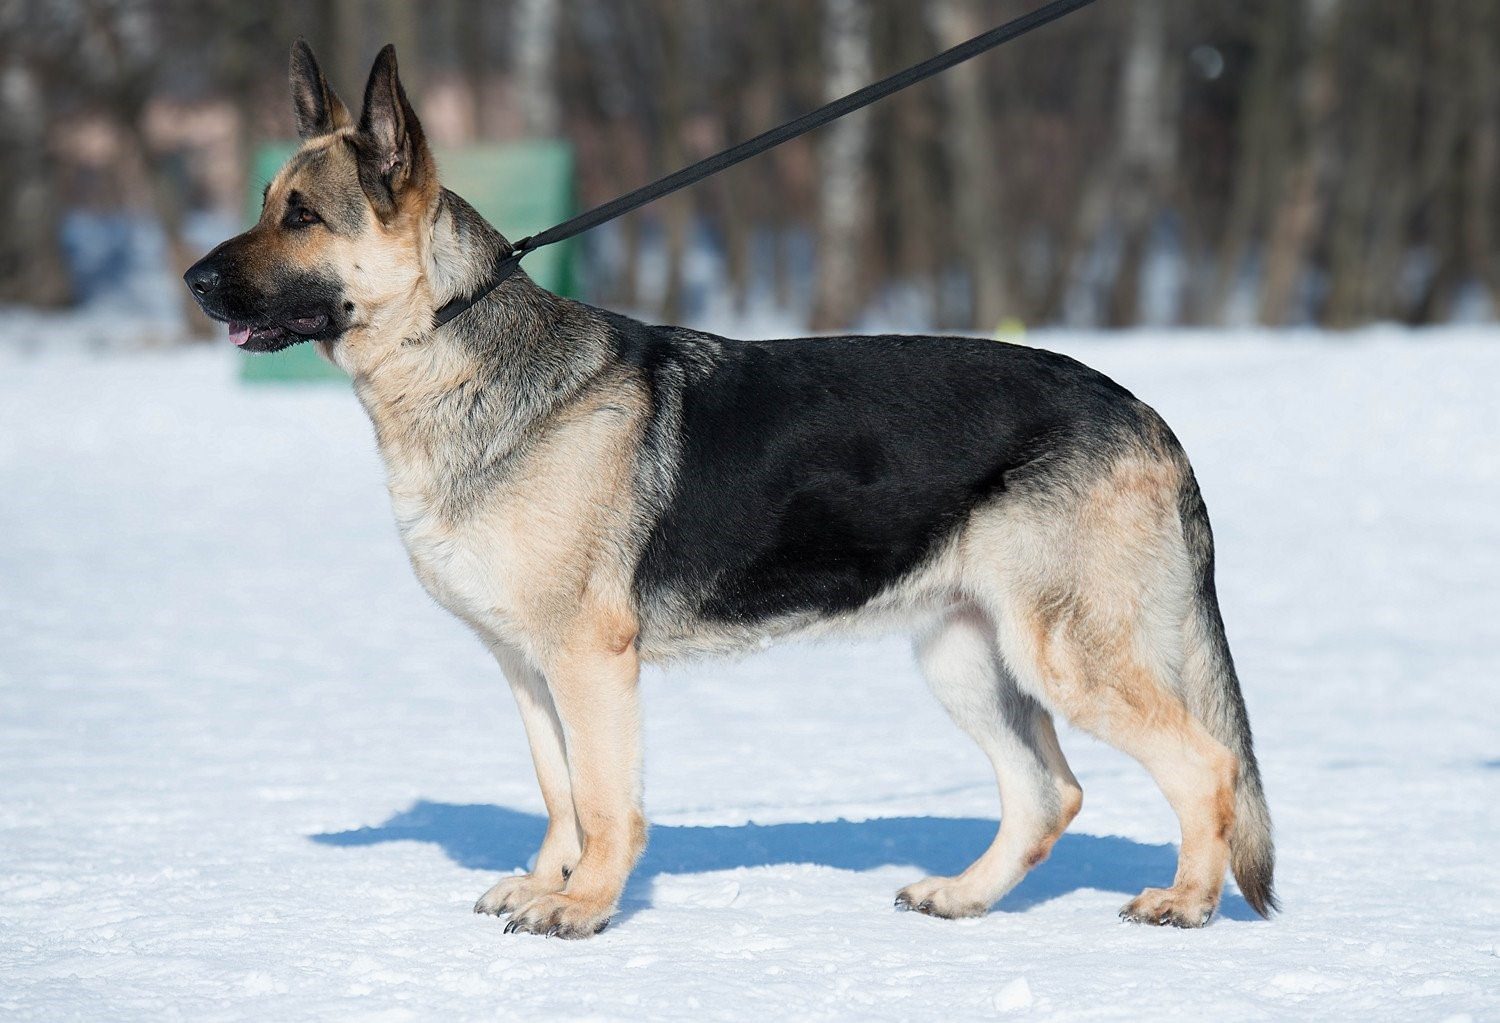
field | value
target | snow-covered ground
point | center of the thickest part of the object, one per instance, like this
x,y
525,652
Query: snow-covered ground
x,y
248,771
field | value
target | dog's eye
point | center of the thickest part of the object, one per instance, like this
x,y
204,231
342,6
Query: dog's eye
x,y
301,216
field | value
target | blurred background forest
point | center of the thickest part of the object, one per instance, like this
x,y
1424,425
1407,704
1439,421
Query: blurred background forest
x,y
1144,161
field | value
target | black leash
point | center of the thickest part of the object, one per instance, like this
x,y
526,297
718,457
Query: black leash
x,y
759,144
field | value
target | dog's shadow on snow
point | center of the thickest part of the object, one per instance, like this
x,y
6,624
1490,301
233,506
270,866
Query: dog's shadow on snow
x,y
498,839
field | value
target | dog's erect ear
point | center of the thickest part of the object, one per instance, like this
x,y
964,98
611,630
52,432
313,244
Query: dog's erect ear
x,y
319,110
394,161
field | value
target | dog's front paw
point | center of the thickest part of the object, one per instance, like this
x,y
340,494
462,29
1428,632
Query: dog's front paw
x,y
946,897
1169,907
514,892
562,915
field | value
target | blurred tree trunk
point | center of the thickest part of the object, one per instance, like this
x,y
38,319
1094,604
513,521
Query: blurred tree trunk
x,y
843,187
677,210
1482,165
611,39
910,207
473,61
1447,124
797,71
1147,151
1366,236
127,102
1301,213
1087,207
400,19
739,194
1347,231
974,155
914,198
32,269
628,287
734,205
1391,242
166,193
1262,145
535,58
350,18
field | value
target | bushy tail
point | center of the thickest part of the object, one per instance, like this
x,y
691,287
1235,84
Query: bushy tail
x,y
1212,691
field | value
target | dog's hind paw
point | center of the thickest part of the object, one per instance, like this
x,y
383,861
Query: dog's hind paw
x,y
941,896
561,915
1169,907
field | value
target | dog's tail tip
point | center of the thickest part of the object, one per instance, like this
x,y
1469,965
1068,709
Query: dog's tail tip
x,y
1252,854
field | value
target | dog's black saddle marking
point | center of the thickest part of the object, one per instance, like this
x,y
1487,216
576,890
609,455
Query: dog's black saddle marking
x,y
816,472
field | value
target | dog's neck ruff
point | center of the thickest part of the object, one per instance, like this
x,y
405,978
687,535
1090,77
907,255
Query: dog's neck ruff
x,y
505,267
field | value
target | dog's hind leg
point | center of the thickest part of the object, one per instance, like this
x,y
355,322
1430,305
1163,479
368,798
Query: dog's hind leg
x,y
1092,613
560,847
1038,792
595,686
1113,692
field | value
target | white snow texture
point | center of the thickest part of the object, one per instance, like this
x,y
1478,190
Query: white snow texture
x,y
249,772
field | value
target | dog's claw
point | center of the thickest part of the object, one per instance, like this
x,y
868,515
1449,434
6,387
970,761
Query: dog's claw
x,y
546,921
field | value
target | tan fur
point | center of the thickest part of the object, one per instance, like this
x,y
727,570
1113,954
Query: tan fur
x,y
1093,600
532,565
598,702
562,845
536,570
535,567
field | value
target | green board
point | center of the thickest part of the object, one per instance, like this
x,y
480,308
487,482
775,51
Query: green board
x,y
520,187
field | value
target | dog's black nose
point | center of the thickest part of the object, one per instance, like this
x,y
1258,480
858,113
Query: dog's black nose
x,y
203,279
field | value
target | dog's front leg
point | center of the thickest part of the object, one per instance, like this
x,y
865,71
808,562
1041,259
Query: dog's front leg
x,y
595,686
560,847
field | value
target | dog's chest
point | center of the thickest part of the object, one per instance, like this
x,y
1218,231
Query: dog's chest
x,y
514,544
474,565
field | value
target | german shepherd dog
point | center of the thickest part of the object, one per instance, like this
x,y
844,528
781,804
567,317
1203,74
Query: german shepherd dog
x,y
589,493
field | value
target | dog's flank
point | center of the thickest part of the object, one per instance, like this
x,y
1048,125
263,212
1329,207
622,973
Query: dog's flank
x,y
588,492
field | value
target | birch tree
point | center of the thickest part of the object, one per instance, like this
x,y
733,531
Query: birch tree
x,y
843,199
1301,213
31,263
978,168
1147,152
535,63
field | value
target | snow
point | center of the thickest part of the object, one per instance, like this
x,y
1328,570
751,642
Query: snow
x,y
248,770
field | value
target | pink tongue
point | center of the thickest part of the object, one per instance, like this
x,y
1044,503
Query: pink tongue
x,y
239,333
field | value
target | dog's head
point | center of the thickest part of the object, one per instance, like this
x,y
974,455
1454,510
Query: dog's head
x,y
341,243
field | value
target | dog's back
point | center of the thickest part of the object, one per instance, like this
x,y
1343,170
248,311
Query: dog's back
x,y
809,475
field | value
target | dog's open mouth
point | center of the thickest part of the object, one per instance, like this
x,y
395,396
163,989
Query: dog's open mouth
x,y
275,336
